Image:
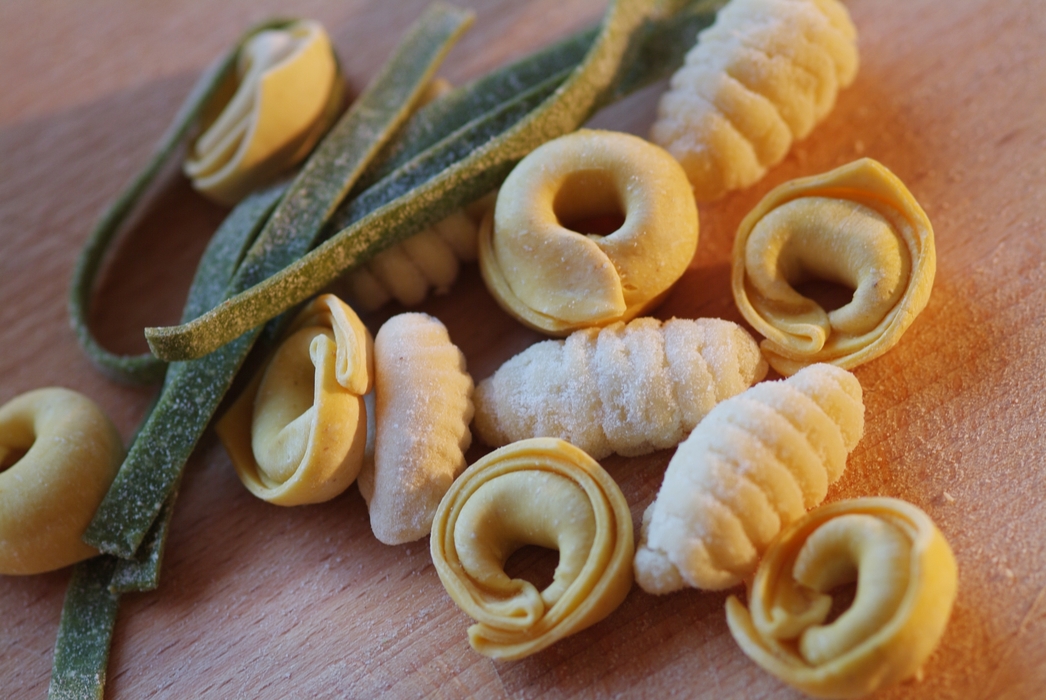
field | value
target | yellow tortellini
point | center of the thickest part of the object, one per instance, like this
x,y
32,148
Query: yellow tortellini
x,y
285,93
543,492
627,388
549,272
857,226
765,73
906,584
59,453
298,432
755,464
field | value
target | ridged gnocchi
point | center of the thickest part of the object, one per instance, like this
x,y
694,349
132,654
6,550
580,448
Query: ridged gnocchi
x,y
765,73
857,226
298,432
59,454
755,464
906,584
422,410
629,389
542,492
285,93
550,268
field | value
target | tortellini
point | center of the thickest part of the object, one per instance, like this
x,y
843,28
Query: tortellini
x,y
423,407
542,492
590,228
857,226
298,433
765,73
285,93
906,584
629,389
59,453
755,464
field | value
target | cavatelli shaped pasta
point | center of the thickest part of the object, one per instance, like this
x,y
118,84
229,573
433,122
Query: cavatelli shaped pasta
x,y
422,410
906,584
755,464
298,432
59,454
286,92
627,388
857,226
765,73
542,492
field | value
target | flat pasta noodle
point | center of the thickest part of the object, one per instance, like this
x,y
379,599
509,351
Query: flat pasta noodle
x,y
422,410
297,433
906,579
627,388
755,464
543,492
553,276
857,226
760,77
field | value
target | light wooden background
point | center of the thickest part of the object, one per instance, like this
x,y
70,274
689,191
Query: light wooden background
x,y
259,601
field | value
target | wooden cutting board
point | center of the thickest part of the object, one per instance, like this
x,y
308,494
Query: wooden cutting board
x,y
261,601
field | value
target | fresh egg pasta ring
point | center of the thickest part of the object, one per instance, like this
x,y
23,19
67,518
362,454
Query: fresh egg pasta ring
x,y
541,491
906,584
555,279
298,432
65,453
857,226
285,93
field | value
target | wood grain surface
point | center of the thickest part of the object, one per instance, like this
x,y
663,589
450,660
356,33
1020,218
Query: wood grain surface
x,y
261,601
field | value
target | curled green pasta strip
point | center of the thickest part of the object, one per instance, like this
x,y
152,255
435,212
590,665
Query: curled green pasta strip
x,y
144,368
194,389
411,206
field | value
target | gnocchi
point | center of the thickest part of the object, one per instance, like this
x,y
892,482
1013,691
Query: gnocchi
x,y
906,584
764,74
298,432
858,226
543,492
755,464
422,409
629,389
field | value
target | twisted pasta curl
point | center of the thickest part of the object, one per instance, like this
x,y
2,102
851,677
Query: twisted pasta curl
x,y
423,406
629,389
906,584
286,91
755,464
544,257
858,226
298,432
543,492
59,454
765,73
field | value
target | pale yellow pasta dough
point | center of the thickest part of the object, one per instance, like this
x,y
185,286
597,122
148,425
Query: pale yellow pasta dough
x,y
906,584
765,73
298,432
59,454
423,407
755,464
285,93
542,492
856,226
627,388
556,279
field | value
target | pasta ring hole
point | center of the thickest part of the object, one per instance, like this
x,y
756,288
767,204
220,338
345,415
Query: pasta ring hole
x,y
534,564
10,456
843,597
588,202
825,293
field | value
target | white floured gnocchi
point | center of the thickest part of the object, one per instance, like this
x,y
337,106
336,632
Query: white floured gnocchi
x,y
764,74
629,389
423,406
756,463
